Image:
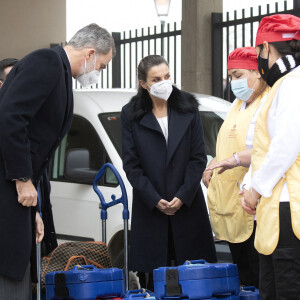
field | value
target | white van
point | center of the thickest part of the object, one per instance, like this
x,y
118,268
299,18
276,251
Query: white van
x,y
94,139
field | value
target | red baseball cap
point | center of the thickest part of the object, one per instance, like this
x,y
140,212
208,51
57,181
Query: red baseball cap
x,y
243,58
277,28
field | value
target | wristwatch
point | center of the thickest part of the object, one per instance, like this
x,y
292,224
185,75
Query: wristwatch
x,y
24,179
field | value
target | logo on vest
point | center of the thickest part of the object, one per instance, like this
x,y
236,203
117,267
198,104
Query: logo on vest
x,y
232,132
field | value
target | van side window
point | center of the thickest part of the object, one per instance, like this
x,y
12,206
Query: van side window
x,y
80,156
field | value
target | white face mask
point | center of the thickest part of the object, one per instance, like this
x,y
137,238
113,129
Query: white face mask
x,y
241,89
162,89
88,79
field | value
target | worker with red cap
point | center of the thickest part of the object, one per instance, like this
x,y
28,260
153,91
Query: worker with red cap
x,y
275,185
233,154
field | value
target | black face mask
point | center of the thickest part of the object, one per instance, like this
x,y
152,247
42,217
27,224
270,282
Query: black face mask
x,y
263,66
271,75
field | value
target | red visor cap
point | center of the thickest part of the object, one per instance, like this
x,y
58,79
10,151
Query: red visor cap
x,y
277,28
243,58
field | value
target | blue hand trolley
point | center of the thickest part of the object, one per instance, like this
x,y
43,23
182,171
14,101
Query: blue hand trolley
x,y
105,205
86,282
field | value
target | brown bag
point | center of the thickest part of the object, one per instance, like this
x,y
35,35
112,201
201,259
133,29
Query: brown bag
x,y
68,255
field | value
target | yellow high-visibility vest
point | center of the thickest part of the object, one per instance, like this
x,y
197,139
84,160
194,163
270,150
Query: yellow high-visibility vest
x,y
267,211
229,221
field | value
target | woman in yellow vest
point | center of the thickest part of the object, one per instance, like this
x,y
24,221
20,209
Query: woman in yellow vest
x,y
275,162
229,221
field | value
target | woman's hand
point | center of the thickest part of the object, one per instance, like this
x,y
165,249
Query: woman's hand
x,y
163,206
244,158
207,174
249,200
224,165
169,208
206,177
175,204
247,209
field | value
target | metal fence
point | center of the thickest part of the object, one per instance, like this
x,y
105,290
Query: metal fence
x,y
132,46
228,34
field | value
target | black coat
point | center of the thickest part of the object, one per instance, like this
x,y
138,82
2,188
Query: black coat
x,y
157,171
36,107
49,242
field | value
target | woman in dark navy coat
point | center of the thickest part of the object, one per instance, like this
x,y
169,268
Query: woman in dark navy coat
x,y
164,157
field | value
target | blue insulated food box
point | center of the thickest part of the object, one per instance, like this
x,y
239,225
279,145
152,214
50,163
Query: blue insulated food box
x,y
249,293
139,295
196,280
85,283
225,297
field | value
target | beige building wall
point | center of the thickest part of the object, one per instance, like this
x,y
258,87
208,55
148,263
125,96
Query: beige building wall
x,y
27,25
196,69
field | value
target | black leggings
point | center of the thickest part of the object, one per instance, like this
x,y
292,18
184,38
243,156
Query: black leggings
x,y
245,256
280,272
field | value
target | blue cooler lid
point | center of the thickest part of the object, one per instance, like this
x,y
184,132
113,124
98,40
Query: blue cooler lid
x,y
230,269
198,269
223,269
88,273
186,272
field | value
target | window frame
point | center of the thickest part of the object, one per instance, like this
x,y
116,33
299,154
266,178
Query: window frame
x,y
58,161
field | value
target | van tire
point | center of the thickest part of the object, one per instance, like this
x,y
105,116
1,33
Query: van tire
x,y
134,283
119,261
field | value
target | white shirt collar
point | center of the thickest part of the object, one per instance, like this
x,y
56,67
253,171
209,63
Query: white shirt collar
x,y
67,56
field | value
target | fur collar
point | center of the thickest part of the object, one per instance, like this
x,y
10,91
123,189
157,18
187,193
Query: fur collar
x,y
180,101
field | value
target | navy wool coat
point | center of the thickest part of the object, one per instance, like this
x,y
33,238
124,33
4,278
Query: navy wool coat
x,y
36,107
159,171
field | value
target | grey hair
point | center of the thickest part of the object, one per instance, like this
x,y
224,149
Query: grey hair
x,y
93,36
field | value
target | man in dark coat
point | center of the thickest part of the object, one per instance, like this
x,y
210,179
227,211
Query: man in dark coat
x,y
49,241
159,171
36,108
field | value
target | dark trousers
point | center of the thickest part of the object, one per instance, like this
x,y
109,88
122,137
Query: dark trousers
x,y
245,256
16,290
280,272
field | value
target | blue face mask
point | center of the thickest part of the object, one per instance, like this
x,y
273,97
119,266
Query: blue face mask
x,y
241,90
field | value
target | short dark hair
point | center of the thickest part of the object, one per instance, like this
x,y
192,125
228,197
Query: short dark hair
x,y
146,64
7,62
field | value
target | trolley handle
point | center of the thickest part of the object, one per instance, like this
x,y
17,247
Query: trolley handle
x,y
123,199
